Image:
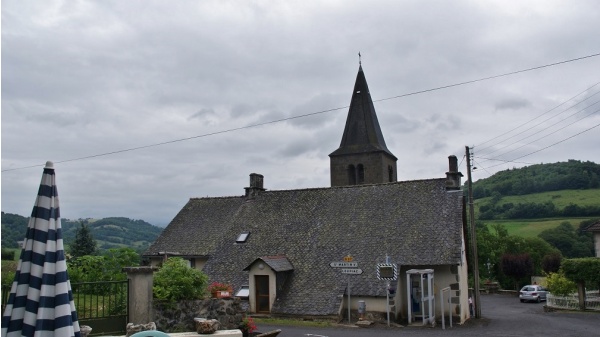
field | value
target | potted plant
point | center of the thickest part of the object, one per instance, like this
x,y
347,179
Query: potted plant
x,y
247,326
220,290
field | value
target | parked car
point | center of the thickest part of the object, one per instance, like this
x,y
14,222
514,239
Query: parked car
x,y
533,292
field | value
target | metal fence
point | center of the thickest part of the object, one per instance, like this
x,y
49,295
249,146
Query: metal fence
x,y
571,302
102,305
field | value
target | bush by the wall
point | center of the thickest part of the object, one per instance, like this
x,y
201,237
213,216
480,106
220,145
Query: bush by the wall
x,y
176,281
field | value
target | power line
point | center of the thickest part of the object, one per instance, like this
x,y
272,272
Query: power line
x,y
311,114
487,78
531,120
183,139
549,146
548,127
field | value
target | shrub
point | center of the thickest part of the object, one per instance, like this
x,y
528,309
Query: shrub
x,y
176,281
8,255
8,273
559,285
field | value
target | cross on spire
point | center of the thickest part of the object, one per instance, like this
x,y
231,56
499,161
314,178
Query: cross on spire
x,y
359,62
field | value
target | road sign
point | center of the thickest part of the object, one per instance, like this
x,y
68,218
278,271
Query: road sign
x,y
348,258
344,264
353,271
387,271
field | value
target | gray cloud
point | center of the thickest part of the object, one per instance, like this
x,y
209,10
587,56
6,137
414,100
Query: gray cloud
x,y
82,79
512,104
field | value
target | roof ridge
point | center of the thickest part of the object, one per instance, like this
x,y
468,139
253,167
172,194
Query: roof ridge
x,y
323,188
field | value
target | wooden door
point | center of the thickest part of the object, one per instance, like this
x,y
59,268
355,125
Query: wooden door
x,y
261,283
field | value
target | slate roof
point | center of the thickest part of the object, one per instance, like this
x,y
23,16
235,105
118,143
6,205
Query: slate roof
x,y
362,132
595,227
417,223
277,263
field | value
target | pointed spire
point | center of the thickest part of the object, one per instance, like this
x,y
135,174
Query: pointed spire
x,y
362,132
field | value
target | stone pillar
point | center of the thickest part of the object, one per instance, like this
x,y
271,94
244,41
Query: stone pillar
x,y
140,294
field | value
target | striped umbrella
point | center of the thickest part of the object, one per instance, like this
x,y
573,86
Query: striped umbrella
x,y
41,302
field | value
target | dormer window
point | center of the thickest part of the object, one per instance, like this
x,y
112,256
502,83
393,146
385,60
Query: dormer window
x,y
242,238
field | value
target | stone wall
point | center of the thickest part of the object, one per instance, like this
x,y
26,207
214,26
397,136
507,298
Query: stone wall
x,y
177,317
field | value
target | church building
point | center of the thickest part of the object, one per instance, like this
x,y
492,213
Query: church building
x,y
368,245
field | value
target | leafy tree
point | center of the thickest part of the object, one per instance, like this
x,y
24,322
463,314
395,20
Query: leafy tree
x,y
176,281
516,266
87,268
84,243
582,271
118,258
14,228
551,263
537,250
106,267
493,244
570,243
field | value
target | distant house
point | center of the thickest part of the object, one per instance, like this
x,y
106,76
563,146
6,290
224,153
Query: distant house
x,y
595,229
300,252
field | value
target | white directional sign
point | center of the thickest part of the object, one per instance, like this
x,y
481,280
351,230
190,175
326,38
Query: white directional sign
x,y
344,264
354,271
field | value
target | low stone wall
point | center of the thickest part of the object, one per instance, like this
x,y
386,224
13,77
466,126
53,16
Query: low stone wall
x,y
177,317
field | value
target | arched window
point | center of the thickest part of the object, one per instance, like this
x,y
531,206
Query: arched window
x,y
391,173
361,173
351,175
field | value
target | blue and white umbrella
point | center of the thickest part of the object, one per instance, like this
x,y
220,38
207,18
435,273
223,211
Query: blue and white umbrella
x,y
41,302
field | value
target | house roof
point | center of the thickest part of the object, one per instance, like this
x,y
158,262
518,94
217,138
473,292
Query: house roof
x,y
416,223
277,263
362,132
595,227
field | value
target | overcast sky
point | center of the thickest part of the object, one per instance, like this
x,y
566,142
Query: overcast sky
x,y
88,78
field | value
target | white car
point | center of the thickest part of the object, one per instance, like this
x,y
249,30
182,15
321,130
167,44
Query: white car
x,y
533,292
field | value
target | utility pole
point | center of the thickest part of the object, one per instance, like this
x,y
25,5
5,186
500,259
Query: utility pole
x,y
475,260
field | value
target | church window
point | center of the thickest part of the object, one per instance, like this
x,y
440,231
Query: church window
x,y
351,175
361,173
390,173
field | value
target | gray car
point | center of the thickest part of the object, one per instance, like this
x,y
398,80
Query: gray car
x,y
533,292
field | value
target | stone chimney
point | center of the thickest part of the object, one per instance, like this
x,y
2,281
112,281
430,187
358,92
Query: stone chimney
x,y
453,176
256,185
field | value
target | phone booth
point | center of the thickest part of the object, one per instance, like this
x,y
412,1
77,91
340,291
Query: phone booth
x,y
420,296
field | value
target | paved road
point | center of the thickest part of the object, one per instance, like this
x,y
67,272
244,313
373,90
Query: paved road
x,y
503,315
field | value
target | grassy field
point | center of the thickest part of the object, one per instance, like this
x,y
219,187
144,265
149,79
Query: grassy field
x,y
531,228
559,198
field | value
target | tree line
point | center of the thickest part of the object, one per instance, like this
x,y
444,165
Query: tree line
x,y
113,232
532,210
511,260
570,175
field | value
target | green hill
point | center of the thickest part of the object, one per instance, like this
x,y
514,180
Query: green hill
x,y
571,175
529,200
108,232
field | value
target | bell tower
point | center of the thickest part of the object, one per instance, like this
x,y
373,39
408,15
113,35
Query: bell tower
x,y
363,157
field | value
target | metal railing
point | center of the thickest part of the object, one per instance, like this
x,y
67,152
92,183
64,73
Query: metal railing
x,y
571,302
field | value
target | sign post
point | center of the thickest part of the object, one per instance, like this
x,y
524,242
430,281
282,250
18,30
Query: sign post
x,y
349,268
387,272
